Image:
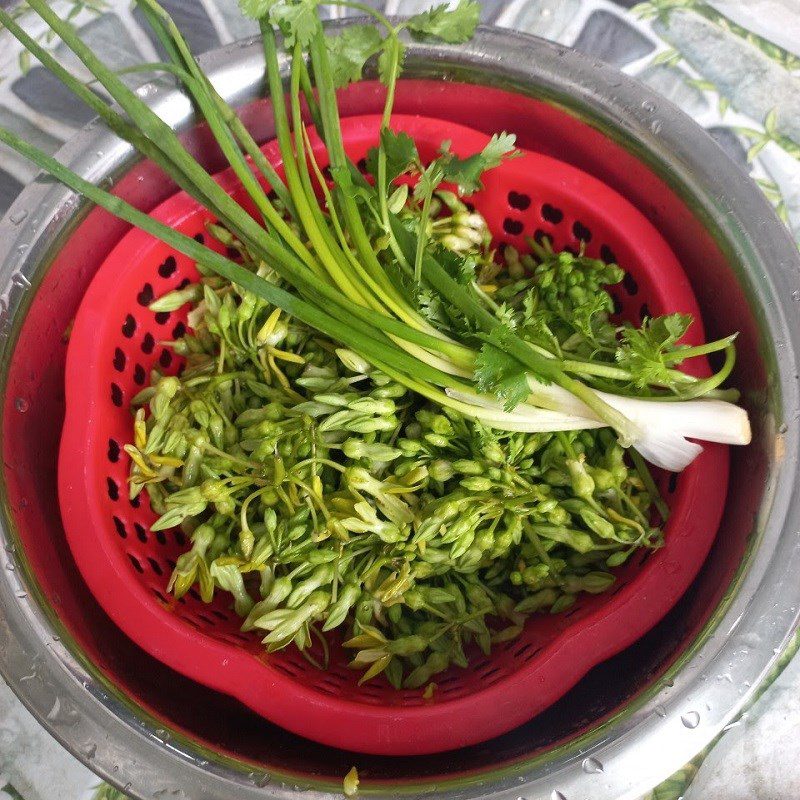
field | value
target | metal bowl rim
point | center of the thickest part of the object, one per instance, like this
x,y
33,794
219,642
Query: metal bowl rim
x,y
638,747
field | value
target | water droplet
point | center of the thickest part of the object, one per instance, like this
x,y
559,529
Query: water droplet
x,y
22,248
726,676
556,795
56,638
127,787
99,153
10,567
90,751
21,404
592,766
20,595
661,711
106,183
690,720
162,734
18,216
656,125
649,106
140,179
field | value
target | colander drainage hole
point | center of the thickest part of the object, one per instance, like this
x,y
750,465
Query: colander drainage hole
x,y
119,360
539,236
139,375
141,533
136,565
155,566
178,331
644,312
362,165
514,227
194,595
582,233
552,214
607,254
136,501
219,615
167,269
120,526
519,201
198,237
161,537
672,483
629,284
159,594
129,326
617,304
162,317
148,343
165,359
116,395
183,284
146,295
180,539
520,651
113,489
113,451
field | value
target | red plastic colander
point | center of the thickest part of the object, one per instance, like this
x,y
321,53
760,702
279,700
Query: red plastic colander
x,y
114,344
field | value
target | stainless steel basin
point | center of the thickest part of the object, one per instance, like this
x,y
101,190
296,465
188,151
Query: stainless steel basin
x,y
633,720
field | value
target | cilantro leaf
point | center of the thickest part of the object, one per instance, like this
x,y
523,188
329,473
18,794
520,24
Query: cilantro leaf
x,y
298,21
466,172
642,350
454,26
256,9
401,153
429,179
501,375
349,51
458,266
